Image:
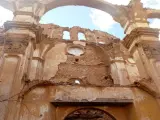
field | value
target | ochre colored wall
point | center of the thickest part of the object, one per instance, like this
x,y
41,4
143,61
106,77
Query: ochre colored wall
x,y
37,104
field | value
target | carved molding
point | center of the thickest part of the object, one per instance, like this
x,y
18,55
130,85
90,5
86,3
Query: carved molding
x,y
15,47
151,49
35,29
15,44
130,38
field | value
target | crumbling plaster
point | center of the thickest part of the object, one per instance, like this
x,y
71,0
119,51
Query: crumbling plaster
x,y
37,71
95,53
42,95
56,32
59,67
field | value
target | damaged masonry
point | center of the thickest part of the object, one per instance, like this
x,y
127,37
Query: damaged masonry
x,y
46,77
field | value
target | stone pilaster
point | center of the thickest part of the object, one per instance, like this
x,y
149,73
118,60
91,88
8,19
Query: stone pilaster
x,y
143,44
37,62
20,39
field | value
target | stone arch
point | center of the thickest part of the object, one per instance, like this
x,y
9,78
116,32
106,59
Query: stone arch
x,y
89,113
66,35
47,5
105,6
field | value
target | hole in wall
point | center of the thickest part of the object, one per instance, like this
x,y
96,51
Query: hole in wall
x,y
77,60
94,19
81,36
66,35
106,77
101,42
77,82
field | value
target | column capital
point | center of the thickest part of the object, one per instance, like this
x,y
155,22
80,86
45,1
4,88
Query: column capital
x,y
31,30
140,34
15,43
151,49
17,36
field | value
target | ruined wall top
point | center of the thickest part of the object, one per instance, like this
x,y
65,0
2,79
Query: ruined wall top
x,y
56,32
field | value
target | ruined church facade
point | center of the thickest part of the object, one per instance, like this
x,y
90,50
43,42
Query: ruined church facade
x,y
46,77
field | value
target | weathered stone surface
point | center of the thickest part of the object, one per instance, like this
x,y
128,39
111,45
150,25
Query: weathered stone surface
x,y
46,77
151,49
90,94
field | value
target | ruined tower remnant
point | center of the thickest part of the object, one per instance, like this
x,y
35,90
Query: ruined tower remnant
x,y
45,77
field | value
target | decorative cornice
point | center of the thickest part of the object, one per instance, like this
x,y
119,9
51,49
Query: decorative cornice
x,y
16,43
25,25
36,29
128,40
151,49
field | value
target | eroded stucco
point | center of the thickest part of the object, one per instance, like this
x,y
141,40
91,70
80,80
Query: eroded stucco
x,y
41,80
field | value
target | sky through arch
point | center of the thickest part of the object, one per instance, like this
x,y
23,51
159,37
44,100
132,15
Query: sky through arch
x,y
86,17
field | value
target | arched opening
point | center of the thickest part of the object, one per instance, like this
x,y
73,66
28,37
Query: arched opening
x,y
76,81
97,4
81,36
89,114
66,35
84,17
